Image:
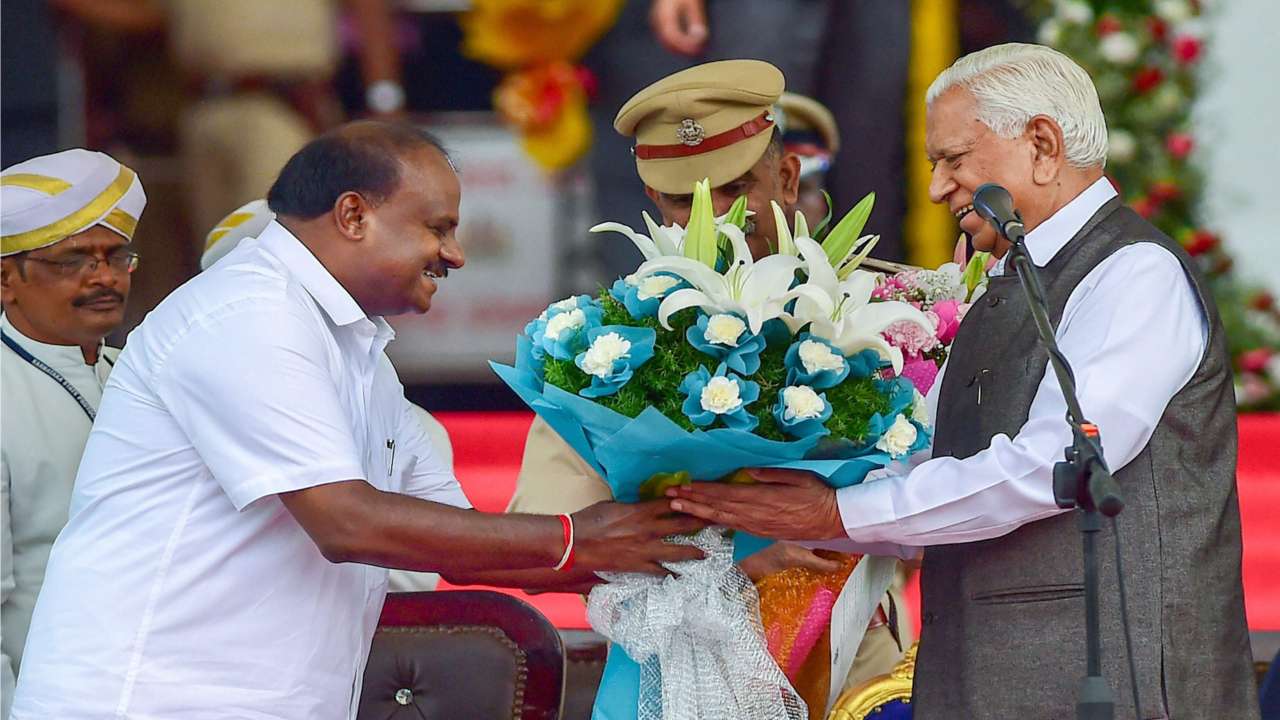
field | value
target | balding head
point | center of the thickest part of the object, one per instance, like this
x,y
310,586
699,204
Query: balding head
x,y
364,157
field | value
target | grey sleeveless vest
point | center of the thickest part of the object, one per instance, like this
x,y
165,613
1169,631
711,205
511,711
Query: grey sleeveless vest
x,y
1003,626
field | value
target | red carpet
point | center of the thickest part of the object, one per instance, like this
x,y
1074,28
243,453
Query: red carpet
x,y
488,446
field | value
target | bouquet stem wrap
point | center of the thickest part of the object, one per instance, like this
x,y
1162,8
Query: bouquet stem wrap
x,y
697,639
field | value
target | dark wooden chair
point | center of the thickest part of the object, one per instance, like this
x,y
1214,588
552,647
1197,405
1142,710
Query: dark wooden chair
x,y
472,654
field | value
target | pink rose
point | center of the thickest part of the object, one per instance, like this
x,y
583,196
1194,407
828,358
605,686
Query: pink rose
x,y
949,316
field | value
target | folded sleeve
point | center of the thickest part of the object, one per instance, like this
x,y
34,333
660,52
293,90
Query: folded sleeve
x,y
258,394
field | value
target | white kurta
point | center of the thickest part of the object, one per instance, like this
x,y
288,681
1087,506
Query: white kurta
x,y
42,436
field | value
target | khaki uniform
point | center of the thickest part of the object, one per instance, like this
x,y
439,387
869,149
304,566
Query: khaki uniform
x,y
234,141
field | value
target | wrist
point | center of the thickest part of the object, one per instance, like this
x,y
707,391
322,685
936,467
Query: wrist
x,y
565,562
835,528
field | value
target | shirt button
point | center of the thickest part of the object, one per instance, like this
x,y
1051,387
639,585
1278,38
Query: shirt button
x,y
404,696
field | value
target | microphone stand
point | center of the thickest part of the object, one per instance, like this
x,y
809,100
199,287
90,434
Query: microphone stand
x,y
1082,481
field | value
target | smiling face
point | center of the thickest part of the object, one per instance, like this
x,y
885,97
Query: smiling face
x,y
408,242
965,153
72,292
774,177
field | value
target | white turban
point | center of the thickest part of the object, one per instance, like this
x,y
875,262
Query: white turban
x,y
50,198
246,221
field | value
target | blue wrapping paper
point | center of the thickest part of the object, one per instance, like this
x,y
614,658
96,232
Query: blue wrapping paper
x,y
628,451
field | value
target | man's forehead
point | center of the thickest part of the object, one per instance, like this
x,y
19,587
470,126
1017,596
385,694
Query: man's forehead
x,y
97,237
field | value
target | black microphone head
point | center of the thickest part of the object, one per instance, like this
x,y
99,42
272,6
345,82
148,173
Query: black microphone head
x,y
994,204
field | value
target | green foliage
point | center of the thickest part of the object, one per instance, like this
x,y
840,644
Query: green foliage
x,y
657,382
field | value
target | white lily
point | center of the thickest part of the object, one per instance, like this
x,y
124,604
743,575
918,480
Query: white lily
x,y
662,240
756,290
846,317
843,251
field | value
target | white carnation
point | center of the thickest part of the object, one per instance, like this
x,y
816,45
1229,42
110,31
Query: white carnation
x,y
816,357
720,396
800,401
565,305
1173,11
919,410
1121,145
1119,47
899,438
606,349
570,320
655,286
945,283
1074,12
724,329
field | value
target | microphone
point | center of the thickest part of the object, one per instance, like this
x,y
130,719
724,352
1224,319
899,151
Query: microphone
x,y
994,204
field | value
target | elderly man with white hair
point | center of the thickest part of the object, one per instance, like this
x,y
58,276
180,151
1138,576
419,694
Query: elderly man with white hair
x,y
1003,603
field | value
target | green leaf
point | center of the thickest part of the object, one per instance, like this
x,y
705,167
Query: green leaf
x,y
820,231
863,250
700,236
840,242
786,245
737,215
974,271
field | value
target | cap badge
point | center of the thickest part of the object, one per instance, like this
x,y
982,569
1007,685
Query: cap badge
x,y
690,132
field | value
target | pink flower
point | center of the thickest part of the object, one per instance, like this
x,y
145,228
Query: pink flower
x,y
949,314
1255,360
921,372
910,338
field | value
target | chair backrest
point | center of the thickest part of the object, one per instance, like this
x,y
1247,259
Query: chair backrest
x,y
884,697
462,654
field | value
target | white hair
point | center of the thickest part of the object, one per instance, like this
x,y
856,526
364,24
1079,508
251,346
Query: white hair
x,y
1015,82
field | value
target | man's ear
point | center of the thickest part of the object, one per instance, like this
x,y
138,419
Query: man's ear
x,y
10,274
652,195
351,215
789,175
1048,153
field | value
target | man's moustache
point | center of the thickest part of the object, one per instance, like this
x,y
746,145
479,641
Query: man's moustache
x,y
98,295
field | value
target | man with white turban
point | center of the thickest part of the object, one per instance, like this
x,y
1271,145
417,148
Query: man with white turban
x,y
247,221
67,220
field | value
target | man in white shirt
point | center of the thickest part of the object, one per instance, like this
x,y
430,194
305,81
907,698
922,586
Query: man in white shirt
x,y
67,221
1001,585
248,221
254,461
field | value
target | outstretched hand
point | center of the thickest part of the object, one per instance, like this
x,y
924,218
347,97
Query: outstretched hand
x,y
781,504
629,538
679,25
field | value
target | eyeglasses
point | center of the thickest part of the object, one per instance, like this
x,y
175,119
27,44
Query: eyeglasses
x,y
121,261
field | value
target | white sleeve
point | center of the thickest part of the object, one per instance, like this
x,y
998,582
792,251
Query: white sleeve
x,y
427,475
1134,332
254,393
7,584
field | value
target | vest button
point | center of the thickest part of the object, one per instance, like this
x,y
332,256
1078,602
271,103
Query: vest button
x,y
994,300
927,619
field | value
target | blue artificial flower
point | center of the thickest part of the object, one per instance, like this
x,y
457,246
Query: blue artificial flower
x,y
642,296
801,412
901,393
613,354
727,338
721,397
814,361
561,330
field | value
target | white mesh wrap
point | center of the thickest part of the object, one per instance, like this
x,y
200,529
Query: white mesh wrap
x,y
697,638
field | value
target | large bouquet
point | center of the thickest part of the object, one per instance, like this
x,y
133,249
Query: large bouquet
x,y
702,362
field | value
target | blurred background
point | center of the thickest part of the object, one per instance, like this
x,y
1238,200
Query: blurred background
x,y
207,99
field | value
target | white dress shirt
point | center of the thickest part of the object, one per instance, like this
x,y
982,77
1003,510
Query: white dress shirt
x,y
42,435
1134,332
181,586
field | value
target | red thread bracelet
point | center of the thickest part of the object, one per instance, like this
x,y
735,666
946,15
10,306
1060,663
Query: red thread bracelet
x,y
566,561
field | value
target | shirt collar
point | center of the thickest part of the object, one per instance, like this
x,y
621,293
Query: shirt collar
x,y
334,299
1053,234
58,357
